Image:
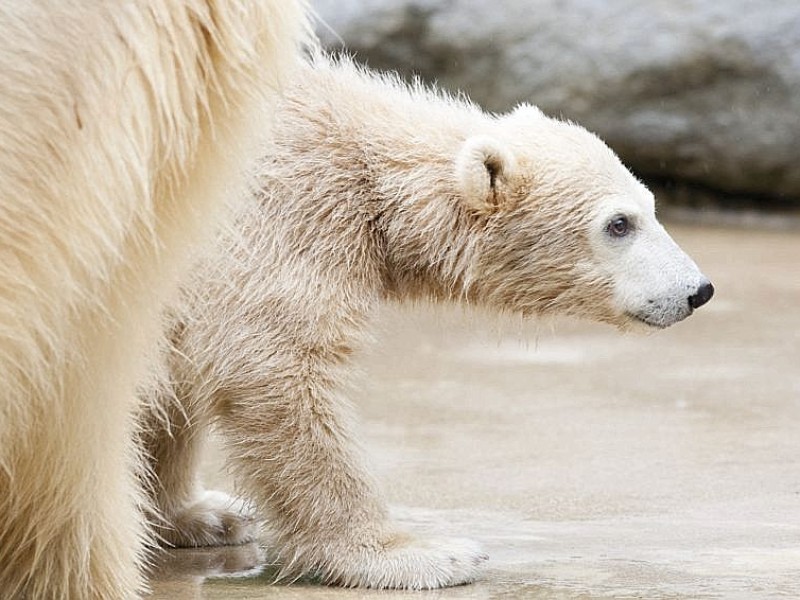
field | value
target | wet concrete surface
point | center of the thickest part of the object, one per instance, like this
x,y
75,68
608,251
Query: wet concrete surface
x,y
588,463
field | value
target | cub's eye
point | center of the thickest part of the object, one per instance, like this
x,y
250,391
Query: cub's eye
x,y
619,226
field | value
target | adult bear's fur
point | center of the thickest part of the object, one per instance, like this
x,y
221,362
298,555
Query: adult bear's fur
x,y
122,127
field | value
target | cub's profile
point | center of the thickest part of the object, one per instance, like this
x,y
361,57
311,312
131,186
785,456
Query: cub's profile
x,y
373,190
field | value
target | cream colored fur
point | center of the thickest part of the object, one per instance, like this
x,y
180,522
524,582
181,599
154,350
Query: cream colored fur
x,y
374,191
123,125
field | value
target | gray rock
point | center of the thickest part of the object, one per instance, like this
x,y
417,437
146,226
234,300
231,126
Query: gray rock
x,y
698,91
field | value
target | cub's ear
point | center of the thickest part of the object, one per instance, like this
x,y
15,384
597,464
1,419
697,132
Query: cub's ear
x,y
483,168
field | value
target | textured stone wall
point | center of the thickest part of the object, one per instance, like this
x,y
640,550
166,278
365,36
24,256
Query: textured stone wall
x,y
701,93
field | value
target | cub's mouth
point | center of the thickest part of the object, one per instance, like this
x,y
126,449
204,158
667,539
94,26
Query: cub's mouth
x,y
648,321
662,321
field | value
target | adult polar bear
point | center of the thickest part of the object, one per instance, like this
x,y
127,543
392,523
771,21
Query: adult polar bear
x,y
123,125
372,191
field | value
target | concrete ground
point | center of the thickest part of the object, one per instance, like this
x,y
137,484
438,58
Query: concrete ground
x,y
589,464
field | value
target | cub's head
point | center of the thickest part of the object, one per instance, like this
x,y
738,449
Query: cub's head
x,y
565,228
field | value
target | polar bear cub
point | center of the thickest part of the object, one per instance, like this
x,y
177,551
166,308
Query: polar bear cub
x,y
373,191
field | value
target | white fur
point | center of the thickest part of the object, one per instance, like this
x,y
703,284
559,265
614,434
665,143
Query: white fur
x,y
123,126
653,278
376,191
650,277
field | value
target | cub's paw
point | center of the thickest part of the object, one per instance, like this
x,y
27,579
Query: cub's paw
x,y
211,519
403,562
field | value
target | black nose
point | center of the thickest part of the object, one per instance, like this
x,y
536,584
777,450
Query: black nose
x,y
703,295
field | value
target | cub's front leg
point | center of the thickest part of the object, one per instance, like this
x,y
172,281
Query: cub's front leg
x,y
291,443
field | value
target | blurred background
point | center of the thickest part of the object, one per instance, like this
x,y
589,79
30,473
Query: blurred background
x,y
701,99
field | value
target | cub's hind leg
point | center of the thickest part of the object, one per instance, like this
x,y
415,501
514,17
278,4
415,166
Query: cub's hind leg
x,y
175,431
